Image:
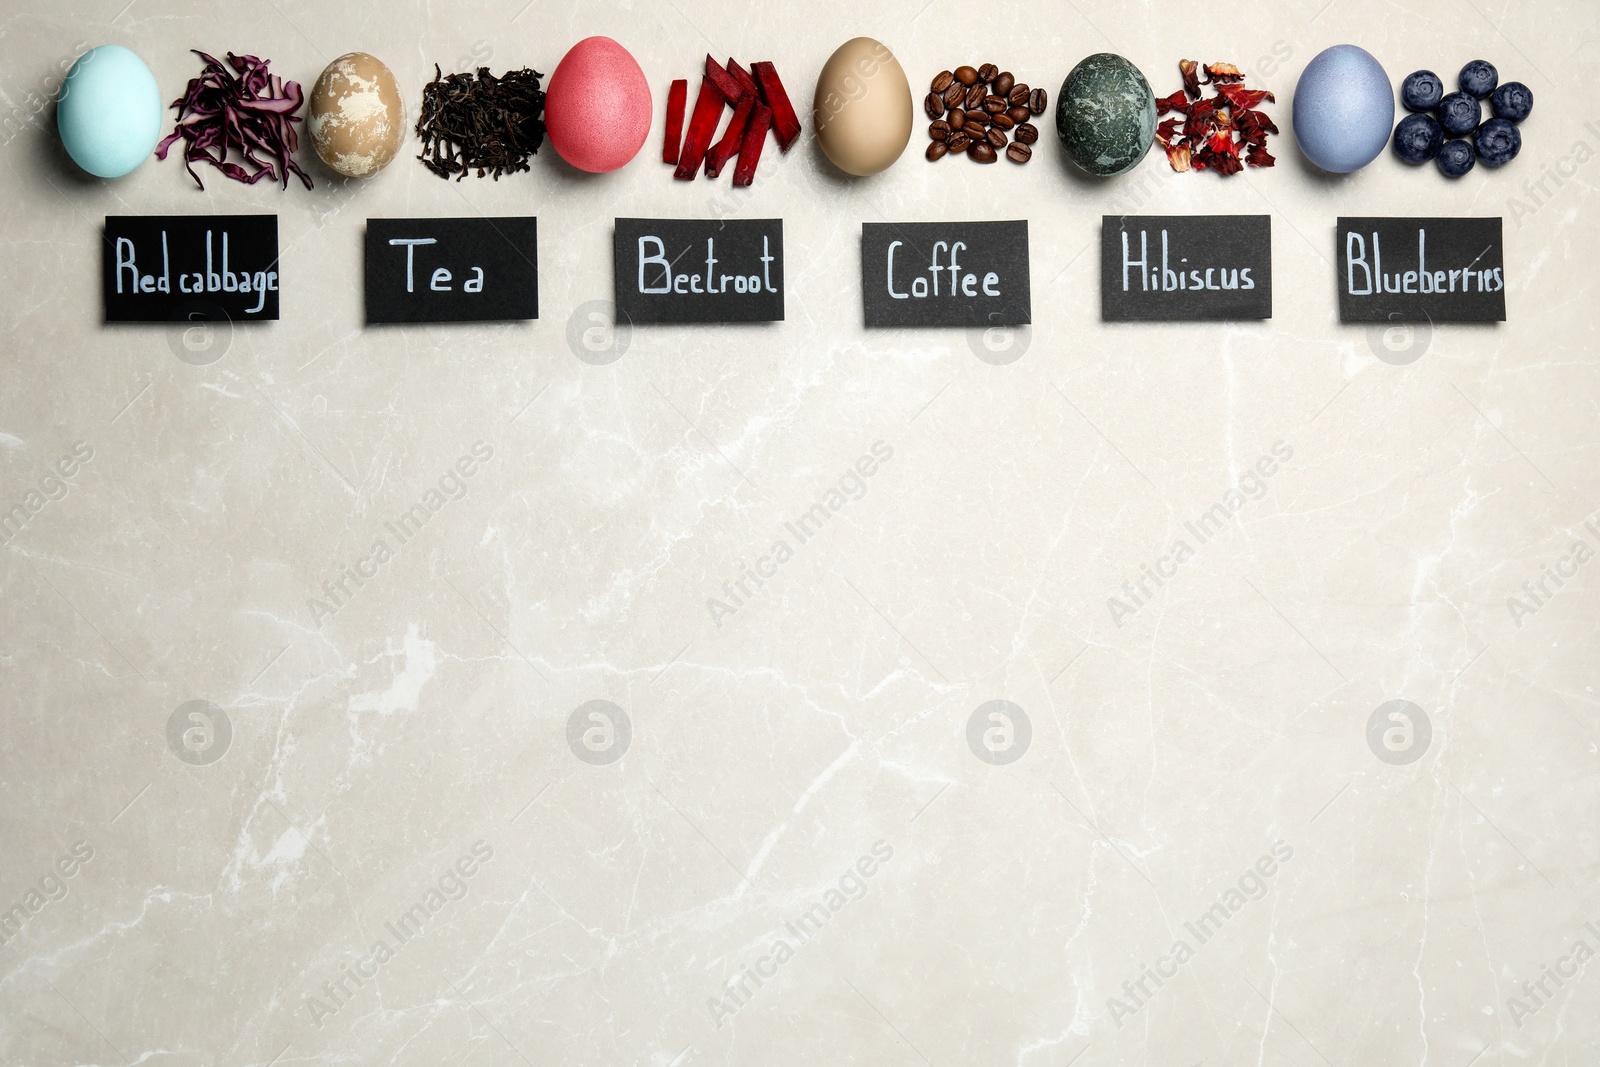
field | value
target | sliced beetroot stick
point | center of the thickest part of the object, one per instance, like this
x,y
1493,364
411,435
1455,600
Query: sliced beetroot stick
x,y
732,137
727,84
755,135
677,100
742,76
702,127
784,123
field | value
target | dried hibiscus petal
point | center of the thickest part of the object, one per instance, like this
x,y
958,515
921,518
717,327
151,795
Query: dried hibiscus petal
x,y
1214,132
1239,96
1191,77
1176,102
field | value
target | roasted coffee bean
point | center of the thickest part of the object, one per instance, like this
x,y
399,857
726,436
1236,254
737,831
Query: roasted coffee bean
x,y
936,150
955,94
939,130
982,152
996,138
979,117
994,104
1002,121
1002,82
1018,114
933,105
987,72
942,80
966,75
1026,133
1016,152
957,118
958,142
1038,100
975,97
1018,95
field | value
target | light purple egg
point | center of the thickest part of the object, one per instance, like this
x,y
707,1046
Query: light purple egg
x,y
1343,109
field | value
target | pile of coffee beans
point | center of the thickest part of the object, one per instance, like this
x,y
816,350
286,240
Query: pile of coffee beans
x,y
982,111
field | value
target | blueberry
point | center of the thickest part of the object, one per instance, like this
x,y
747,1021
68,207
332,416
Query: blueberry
x,y
1417,138
1513,102
1459,114
1497,142
1421,90
1456,158
1479,78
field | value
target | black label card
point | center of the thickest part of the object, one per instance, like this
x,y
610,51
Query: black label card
x,y
699,270
452,270
1421,270
945,274
180,268
1185,268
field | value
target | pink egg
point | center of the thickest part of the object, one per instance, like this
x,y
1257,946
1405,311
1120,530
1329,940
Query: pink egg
x,y
597,107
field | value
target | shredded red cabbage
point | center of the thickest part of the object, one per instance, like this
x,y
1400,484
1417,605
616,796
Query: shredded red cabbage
x,y
248,112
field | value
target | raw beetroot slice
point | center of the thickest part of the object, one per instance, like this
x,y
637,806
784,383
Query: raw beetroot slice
x,y
727,84
702,127
742,76
732,137
784,123
677,99
755,135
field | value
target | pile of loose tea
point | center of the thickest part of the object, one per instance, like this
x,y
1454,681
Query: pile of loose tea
x,y
1224,133
480,122
978,110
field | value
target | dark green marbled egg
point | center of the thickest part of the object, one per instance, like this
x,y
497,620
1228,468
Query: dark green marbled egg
x,y
1106,115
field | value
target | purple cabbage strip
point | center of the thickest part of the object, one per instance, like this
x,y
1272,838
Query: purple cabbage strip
x,y
246,111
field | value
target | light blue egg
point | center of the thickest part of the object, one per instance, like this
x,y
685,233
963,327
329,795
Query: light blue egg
x,y
110,111
1343,109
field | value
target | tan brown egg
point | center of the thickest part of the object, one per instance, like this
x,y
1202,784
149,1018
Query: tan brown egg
x,y
862,109
356,119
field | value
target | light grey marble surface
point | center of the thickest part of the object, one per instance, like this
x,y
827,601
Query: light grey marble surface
x,y
612,909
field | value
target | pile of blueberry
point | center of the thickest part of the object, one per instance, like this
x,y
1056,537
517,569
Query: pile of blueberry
x,y
1422,136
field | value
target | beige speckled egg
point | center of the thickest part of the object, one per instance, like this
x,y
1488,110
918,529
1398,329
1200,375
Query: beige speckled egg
x,y
356,119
